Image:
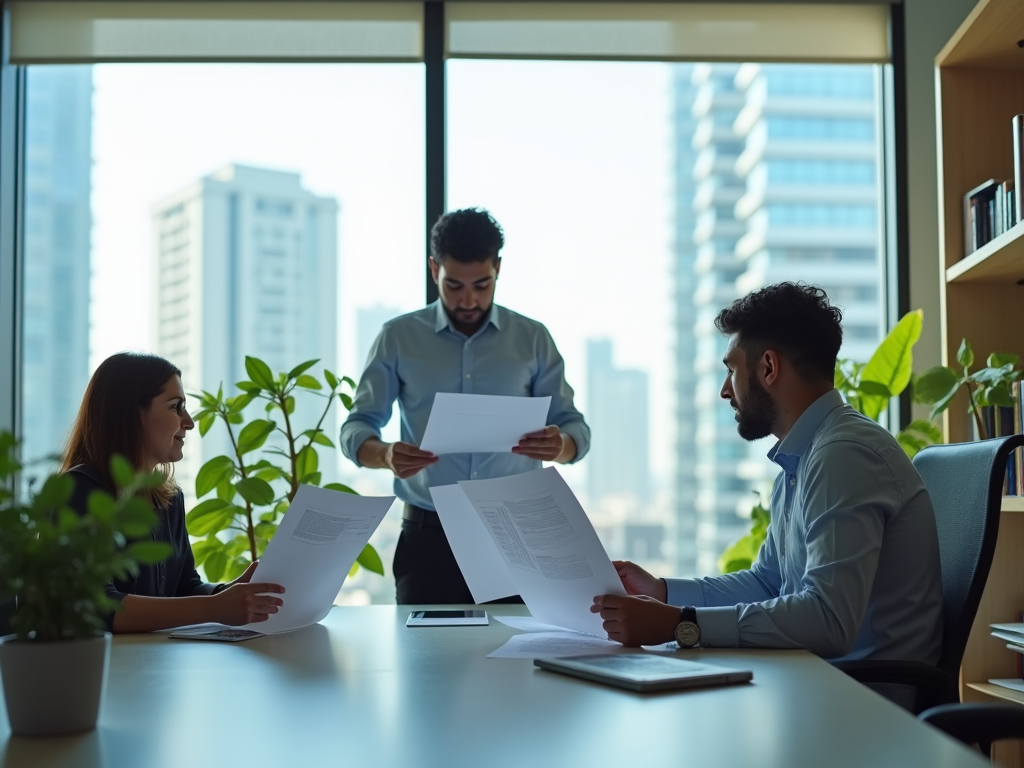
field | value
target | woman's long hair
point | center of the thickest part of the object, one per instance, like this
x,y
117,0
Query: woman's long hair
x,y
110,418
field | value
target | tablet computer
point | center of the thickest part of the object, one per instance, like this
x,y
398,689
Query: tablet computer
x,y
645,671
447,618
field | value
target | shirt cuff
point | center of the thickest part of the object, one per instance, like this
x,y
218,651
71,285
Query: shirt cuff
x,y
684,592
580,435
353,435
718,627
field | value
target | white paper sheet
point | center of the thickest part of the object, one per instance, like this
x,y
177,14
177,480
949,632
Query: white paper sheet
x,y
536,645
481,423
528,624
549,545
479,560
316,543
1013,683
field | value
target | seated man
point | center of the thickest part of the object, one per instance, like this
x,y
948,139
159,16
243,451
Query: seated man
x,y
850,567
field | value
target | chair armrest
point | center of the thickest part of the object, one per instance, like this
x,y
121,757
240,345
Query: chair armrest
x,y
979,724
934,686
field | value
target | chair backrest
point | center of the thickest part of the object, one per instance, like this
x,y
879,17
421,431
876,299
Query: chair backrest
x,y
965,482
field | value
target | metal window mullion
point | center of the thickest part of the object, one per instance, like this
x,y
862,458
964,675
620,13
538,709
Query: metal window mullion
x,y
433,60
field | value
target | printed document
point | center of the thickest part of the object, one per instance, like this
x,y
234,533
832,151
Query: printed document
x,y
478,557
537,645
481,423
316,543
548,544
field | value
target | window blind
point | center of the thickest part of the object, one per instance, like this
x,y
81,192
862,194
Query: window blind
x,y
95,32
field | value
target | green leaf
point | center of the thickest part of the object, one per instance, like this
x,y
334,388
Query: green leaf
x,y
874,389
215,566
209,516
268,517
999,395
302,368
101,506
206,421
332,380
226,491
370,560
290,404
255,491
265,530
892,361
121,471
239,403
340,487
236,567
943,403
306,463
318,437
927,429
237,546
348,381
935,384
202,549
215,471
254,434
965,355
249,387
308,382
346,400
1000,359
260,373
150,552
910,442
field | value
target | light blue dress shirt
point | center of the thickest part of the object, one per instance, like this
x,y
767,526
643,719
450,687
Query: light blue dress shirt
x,y
419,354
850,568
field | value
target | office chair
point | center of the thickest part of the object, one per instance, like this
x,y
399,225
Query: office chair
x,y
965,482
979,724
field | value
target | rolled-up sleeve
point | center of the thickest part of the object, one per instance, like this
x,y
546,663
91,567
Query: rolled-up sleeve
x,y
374,398
550,380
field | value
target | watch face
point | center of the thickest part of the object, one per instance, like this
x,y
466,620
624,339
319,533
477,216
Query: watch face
x,y
687,634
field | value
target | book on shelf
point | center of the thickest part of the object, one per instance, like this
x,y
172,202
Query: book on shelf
x,y
989,210
1003,421
1013,635
1017,125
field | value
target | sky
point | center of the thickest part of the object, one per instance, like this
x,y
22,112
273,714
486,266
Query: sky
x,y
573,159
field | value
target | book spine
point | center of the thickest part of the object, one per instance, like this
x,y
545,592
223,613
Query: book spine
x,y
1018,427
1018,161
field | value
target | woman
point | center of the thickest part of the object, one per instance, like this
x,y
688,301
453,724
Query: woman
x,y
135,406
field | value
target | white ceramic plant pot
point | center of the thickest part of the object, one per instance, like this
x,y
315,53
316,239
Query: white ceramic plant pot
x,y
53,688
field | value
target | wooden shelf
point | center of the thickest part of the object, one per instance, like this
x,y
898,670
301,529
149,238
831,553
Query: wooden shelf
x,y
998,692
1013,504
987,38
998,261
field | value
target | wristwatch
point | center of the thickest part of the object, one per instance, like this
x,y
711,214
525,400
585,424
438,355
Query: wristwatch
x,y
687,631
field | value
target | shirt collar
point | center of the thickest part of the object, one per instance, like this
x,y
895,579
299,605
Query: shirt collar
x,y
442,321
787,452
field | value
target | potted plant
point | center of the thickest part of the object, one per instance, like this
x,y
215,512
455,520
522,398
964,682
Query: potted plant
x,y
57,564
250,495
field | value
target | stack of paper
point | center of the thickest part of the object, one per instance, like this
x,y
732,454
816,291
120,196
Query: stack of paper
x,y
1013,634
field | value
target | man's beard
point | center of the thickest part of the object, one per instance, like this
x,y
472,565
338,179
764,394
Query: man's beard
x,y
757,414
470,319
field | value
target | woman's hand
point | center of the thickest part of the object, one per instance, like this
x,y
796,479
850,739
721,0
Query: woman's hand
x,y
242,602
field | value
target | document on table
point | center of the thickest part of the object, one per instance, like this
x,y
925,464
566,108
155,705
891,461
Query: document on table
x,y
527,624
316,543
481,423
486,574
536,645
548,544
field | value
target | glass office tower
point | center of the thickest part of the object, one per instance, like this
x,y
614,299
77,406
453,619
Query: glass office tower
x,y
786,177
57,231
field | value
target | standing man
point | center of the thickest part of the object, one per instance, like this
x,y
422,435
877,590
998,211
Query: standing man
x,y
463,342
850,567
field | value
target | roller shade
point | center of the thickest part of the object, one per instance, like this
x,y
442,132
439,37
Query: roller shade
x,y
754,32
95,32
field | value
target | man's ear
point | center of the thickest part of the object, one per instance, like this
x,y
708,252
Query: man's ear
x,y
435,268
770,366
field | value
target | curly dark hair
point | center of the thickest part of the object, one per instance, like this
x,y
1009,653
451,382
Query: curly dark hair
x,y
794,319
467,235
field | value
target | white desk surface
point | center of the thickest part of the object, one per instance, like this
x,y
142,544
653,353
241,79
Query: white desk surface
x,y
364,691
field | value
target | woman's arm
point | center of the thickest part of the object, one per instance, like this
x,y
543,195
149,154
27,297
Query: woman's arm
x,y
239,604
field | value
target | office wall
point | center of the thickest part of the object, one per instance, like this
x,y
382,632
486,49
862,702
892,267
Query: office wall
x,y
929,23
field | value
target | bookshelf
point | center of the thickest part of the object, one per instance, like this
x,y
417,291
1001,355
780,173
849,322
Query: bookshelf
x,y
980,82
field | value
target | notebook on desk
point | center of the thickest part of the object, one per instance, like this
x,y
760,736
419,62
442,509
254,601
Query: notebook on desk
x,y
645,671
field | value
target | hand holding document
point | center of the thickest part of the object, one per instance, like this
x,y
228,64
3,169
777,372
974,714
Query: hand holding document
x,y
544,539
481,423
316,543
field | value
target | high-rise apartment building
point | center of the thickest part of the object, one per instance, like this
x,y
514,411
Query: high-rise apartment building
x,y
57,233
787,189
617,464
246,265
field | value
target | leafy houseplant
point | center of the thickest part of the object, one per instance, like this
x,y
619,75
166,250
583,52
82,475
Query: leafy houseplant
x,y
245,498
987,386
867,387
57,563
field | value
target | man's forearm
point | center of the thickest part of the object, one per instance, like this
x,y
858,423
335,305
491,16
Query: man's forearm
x,y
372,454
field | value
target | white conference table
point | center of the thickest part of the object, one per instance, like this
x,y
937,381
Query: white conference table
x,y
362,690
